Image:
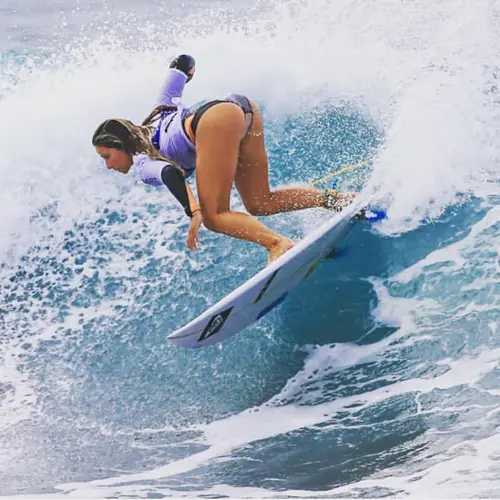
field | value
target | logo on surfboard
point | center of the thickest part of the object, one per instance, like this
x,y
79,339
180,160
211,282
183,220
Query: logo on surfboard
x,y
215,324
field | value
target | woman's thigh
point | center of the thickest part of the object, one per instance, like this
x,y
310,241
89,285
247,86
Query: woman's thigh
x,y
252,174
218,139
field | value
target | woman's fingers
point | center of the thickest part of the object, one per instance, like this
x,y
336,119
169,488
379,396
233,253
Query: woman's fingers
x,y
193,239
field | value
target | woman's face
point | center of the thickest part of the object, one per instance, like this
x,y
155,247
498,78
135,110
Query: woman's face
x,y
115,158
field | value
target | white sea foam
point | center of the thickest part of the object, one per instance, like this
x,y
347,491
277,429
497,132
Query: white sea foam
x,y
423,73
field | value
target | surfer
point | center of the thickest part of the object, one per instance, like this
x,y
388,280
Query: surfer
x,y
223,140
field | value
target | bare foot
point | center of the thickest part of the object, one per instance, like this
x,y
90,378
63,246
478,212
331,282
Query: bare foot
x,y
283,245
338,201
347,198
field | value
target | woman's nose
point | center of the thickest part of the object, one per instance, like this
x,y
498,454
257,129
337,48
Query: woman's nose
x,y
108,164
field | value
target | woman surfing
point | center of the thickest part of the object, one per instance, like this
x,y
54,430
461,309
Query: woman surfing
x,y
222,141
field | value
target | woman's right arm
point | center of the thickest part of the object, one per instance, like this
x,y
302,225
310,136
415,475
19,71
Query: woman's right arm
x,y
181,70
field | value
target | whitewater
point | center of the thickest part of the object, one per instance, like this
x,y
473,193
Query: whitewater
x,y
379,376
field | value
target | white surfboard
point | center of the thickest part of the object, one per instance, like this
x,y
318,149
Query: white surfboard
x,y
268,288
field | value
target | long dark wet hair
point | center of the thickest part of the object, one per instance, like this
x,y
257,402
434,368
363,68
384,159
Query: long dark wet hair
x,y
130,138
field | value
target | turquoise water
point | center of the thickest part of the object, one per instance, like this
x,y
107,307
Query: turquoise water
x,y
378,376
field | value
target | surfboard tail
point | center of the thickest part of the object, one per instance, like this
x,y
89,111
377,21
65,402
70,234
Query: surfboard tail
x,y
372,214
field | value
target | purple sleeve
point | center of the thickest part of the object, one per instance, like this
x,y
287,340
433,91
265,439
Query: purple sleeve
x,y
149,170
172,88
161,173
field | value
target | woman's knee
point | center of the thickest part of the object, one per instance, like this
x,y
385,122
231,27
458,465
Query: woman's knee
x,y
256,208
211,221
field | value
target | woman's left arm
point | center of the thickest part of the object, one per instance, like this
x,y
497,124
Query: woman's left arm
x,y
159,172
196,220
193,204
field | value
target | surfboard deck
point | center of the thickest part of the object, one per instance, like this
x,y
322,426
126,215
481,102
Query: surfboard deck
x,y
269,287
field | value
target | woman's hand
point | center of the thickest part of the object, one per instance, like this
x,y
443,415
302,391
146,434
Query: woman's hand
x,y
192,239
186,64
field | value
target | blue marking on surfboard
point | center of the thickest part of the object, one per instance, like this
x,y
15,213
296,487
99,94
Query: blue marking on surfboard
x,y
371,214
271,306
266,286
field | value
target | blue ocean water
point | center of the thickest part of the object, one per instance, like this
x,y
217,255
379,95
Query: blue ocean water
x,y
378,376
